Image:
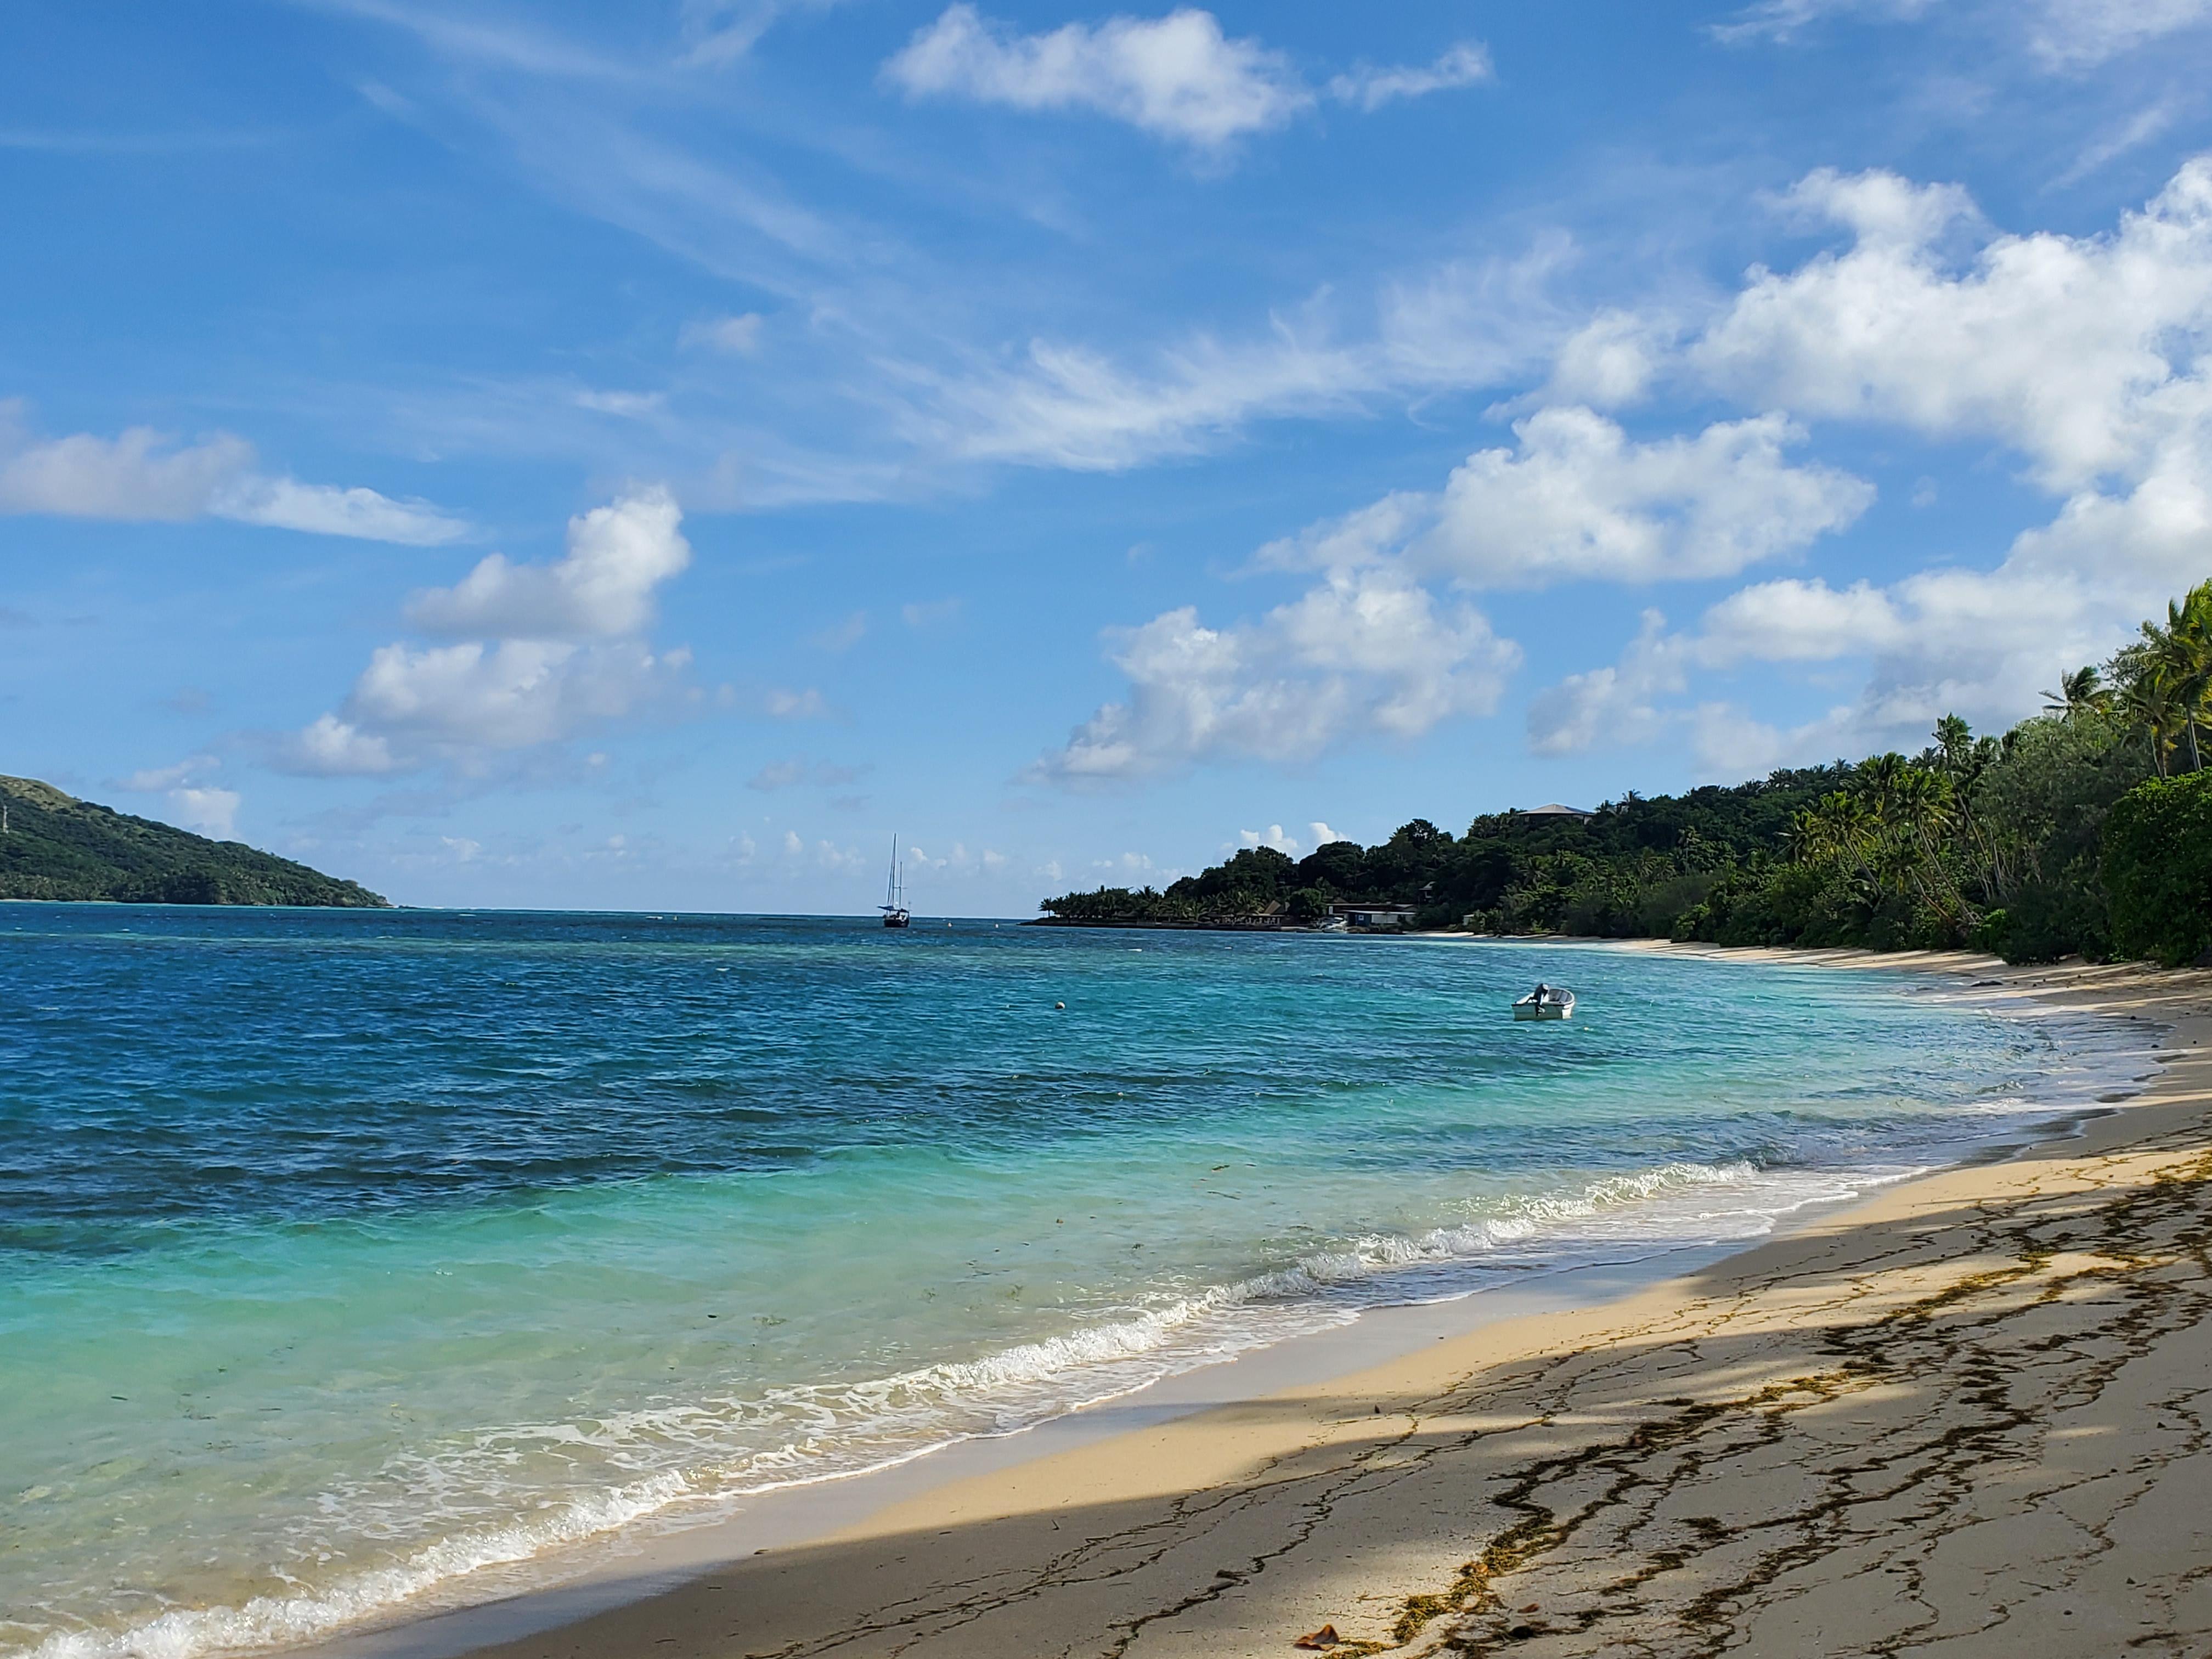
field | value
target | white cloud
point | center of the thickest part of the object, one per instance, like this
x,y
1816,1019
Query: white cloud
x,y
1286,844
562,653
1798,621
1609,361
1580,500
1783,20
2062,34
510,694
193,803
143,475
208,811
327,510
1616,705
618,555
1465,64
2076,34
332,748
2082,352
155,780
1461,325
1982,644
1322,835
720,32
1176,76
1365,654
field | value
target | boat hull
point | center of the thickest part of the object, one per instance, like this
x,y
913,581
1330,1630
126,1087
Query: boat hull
x,y
1548,1011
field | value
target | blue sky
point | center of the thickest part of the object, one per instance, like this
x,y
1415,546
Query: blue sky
x,y
641,457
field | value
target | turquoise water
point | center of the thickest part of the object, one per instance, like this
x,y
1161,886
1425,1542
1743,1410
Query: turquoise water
x,y
353,1259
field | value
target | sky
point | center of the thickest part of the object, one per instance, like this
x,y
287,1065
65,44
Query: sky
x,y
565,455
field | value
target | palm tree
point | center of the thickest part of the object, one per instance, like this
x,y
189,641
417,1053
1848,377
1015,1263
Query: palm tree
x,y
2147,701
2082,692
2178,658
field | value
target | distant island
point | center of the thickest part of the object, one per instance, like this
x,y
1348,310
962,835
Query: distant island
x,y
57,847
2087,830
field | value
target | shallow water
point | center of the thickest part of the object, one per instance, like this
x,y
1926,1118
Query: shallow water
x,y
352,1258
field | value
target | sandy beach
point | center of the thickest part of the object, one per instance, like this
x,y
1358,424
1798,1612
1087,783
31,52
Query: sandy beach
x,y
1968,1415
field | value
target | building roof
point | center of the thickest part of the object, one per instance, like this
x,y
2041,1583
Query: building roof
x,y
1553,809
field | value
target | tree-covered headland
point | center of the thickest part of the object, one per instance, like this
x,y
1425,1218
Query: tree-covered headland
x,y
57,847
2087,830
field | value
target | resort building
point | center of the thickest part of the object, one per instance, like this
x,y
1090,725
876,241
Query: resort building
x,y
1369,916
1553,809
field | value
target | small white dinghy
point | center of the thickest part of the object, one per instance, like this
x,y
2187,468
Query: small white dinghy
x,y
1545,1002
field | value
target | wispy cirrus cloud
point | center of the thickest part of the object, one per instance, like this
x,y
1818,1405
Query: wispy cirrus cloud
x,y
2061,35
1466,64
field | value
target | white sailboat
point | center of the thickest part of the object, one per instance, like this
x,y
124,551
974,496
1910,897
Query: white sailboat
x,y
896,914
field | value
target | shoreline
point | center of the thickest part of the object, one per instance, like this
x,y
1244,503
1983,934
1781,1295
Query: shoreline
x,y
1059,1467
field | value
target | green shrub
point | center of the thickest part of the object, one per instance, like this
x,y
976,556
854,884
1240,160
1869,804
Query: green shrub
x,y
2158,869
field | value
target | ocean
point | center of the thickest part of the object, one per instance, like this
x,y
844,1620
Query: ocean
x,y
350,1261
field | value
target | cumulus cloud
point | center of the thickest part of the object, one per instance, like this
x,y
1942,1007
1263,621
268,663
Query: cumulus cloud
x,y
1609,361
2091,357
1465,64
1363,655
1982,644
193,803
206,811
560,653
1578,499
333,748
618,555
143,475
1176,76
2084,353
2088,356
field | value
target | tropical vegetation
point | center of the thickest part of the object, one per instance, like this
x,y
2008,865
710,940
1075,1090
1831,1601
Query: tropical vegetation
x,y
2085,830
54,846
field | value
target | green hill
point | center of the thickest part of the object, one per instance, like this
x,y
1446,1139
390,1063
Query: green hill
x,y
57,847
